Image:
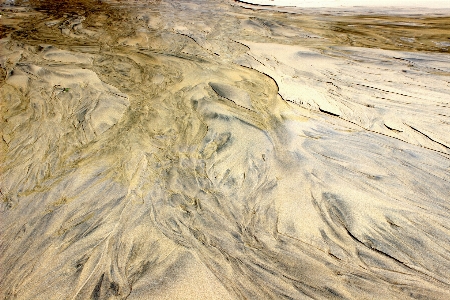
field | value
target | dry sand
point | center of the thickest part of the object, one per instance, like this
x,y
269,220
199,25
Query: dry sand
x,y
221,150
354,3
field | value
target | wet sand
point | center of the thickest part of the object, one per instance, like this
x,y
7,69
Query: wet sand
x,y
222,150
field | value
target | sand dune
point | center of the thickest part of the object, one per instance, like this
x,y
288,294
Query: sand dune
x,y
205,150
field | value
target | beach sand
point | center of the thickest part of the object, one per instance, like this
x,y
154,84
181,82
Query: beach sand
x,y
223,150
439,4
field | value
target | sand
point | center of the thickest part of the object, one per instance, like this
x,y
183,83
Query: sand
x,y
354,3
223,150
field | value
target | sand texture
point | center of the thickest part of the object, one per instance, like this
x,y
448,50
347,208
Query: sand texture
x,y
194,149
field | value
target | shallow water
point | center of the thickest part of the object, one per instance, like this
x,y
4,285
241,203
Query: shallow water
x,y
210,149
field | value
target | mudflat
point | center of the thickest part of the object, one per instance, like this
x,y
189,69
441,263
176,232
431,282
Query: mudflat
x,y
223,150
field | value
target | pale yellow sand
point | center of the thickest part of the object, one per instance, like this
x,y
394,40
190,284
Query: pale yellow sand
x,y
208,150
